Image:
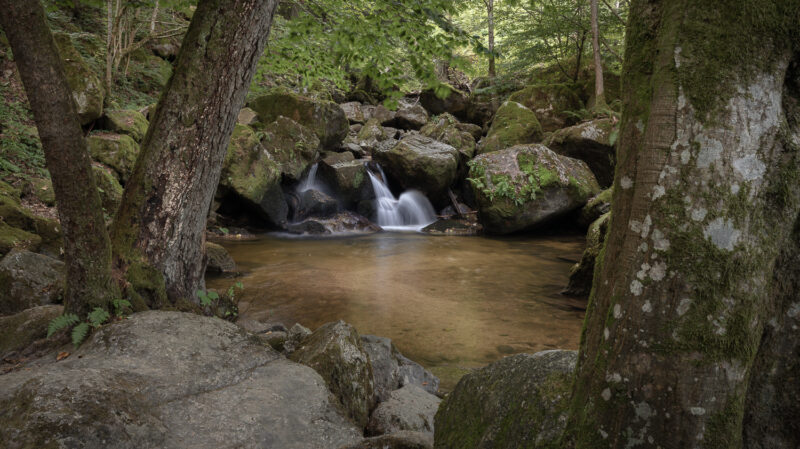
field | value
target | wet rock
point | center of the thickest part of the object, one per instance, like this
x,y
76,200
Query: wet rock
x,y
520,401
392,370
219,261
29,280
527,185
513,124
335,158
455,103
582,273
419,162
590,142
596,207
171,380
325,118
551,103
409,408
87,89
348,179
399,440
336,353
313,203
341,223
446,129
250,176
247,117
354,112
292,146
410,116
20,331
123,121
118,151
453,227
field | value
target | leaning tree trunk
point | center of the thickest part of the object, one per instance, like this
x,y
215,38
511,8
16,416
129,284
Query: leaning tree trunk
x,y
599,89
87,249
695,293
162,218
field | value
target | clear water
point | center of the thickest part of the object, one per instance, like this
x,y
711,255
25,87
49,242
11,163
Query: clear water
x,y
449,303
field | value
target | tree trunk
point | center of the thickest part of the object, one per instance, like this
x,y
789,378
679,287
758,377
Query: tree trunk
x,y
87,250
162,217
599,90
676,348
490,11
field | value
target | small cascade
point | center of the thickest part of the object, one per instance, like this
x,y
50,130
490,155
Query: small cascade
x,y
310,181
411,212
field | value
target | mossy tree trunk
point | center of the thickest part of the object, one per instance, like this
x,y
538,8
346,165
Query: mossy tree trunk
x,y
87,249
161,221
695,295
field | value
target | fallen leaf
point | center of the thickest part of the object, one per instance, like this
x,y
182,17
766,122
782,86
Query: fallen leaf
x,y
62,355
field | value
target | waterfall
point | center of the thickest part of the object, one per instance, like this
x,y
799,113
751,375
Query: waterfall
x,y
310,181
411,212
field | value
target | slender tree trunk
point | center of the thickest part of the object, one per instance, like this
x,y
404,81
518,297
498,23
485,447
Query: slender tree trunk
x,y
599,90
490,12
695,294
87,250
162,217
153,18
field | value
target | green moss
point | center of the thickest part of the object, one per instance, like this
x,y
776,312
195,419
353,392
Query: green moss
x,y
118,151
87,90
723,430
11,237
512,124
145,287
132,123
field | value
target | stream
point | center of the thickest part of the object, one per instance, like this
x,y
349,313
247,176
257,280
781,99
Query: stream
x,y
449,303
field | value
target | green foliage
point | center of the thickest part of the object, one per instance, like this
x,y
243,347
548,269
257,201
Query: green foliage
x,y
94,319
20,150
61,322
79,333
206,298
98,316
121,306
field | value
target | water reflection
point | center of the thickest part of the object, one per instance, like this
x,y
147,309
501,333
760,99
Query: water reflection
x,y
447,302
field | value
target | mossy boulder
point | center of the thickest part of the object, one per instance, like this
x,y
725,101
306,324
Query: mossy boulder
x,y
28,280
582,273
354,112
87,89
42,190
551,103
218,259
21,330
447,129
518,402
410,116
12,237
513,124
250,175
590,142
454,102
49,231
325,118
526,186
126,121
371,134
109,188
118,151
348,180
336,353
422,163
596,207
17,226
293,146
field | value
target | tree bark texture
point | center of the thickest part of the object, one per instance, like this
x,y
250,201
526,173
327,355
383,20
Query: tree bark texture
x,y
599,89
87,249
490,12
162,218
688,333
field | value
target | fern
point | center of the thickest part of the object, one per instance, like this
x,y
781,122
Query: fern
x,y
120,305
98,316
79,333
61,322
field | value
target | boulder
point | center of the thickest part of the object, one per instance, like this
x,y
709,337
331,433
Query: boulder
x,y
410,116
391,370
551,103
41,189
409,408
294,337
380,113
12,237
419,162
336,353
28,280
325,118
250,175
454,102
218,259
453,227
513,124
247,117
124,121
519,401
348,179
293,146
582,273
446,129
341,223
371,133
527,185
336,158
109,187
87,89
118,151
17,226
354,112
399,440
20,331
596,207
171,380
313,203
590,142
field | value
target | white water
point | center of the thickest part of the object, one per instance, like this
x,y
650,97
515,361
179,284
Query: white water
x,y
411,212
310,181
